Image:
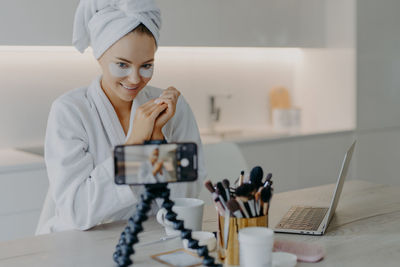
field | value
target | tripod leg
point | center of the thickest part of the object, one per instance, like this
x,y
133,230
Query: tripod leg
x,y
128,238
202,251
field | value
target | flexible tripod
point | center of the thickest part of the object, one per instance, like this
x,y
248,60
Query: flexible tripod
x,y
129,236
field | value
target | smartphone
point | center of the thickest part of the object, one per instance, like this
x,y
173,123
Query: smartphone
x,y
151,164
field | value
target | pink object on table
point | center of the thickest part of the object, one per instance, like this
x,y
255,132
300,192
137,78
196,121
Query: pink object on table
x,y
305,252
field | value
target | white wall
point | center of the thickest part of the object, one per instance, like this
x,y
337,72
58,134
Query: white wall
x,y
30,80
245,73
325,89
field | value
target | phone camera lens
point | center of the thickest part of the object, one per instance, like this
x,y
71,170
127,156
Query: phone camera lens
x,y
184,162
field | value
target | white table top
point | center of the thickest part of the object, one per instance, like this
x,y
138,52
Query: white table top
x,y
364,232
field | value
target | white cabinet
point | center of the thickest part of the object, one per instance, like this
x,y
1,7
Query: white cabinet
x,y
303,161
378,94
378,64
39,22
23,187
254,23
250,23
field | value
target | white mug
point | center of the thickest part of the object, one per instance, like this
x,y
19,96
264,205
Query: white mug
x,y
190,210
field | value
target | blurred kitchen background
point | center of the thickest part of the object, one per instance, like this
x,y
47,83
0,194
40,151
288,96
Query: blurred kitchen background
x,y
291,82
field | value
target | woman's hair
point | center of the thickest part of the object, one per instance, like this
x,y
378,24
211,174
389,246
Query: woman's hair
x,y
141,28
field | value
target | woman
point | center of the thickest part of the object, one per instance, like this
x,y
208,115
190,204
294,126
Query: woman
x,y
154,168
117,108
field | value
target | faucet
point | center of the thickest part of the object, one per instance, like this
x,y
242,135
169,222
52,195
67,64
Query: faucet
x,y
214,111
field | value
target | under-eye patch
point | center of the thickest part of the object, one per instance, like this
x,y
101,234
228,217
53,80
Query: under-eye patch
x,y
146,72
118,71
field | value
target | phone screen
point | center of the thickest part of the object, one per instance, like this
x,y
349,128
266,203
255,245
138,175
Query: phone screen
x,y
150,164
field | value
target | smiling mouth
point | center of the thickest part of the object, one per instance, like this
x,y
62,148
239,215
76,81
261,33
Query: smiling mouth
x,y
129,88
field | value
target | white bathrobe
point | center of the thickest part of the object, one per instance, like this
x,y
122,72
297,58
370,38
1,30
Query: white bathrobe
x,y
81,132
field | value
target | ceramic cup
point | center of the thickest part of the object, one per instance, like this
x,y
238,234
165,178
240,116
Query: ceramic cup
x,y
190,210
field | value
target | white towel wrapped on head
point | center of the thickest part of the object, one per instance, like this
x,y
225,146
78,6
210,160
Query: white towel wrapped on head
x,y
101,23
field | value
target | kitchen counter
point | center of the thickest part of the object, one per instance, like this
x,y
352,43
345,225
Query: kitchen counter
x,y
261,134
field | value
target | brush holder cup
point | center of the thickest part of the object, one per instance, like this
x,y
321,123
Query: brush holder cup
x,y
229,255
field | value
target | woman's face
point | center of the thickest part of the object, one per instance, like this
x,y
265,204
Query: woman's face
x,y
127,66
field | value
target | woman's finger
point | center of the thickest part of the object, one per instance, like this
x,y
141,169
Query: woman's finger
x,y
147,104
160,108
165,96
171,91
144,109
171,88
169,102
174,93
150,108
172,98
171,106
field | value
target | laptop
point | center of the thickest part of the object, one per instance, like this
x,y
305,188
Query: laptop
x,y
314,220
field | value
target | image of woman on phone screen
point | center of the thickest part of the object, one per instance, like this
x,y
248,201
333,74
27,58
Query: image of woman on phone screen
x,y
118,107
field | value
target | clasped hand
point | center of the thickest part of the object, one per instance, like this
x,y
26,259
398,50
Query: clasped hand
x,y
151,117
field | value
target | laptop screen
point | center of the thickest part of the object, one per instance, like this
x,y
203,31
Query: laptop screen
x,y
339,185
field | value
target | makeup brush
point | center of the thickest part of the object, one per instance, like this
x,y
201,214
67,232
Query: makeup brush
x,y
243,208
256,176
249,206
221,195
257,197
234,208
268,180
226,185
208,184
266,194
245,193
245,190
221,191
241,178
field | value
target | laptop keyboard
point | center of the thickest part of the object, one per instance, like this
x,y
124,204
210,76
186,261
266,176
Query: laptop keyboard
x,y
302,218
